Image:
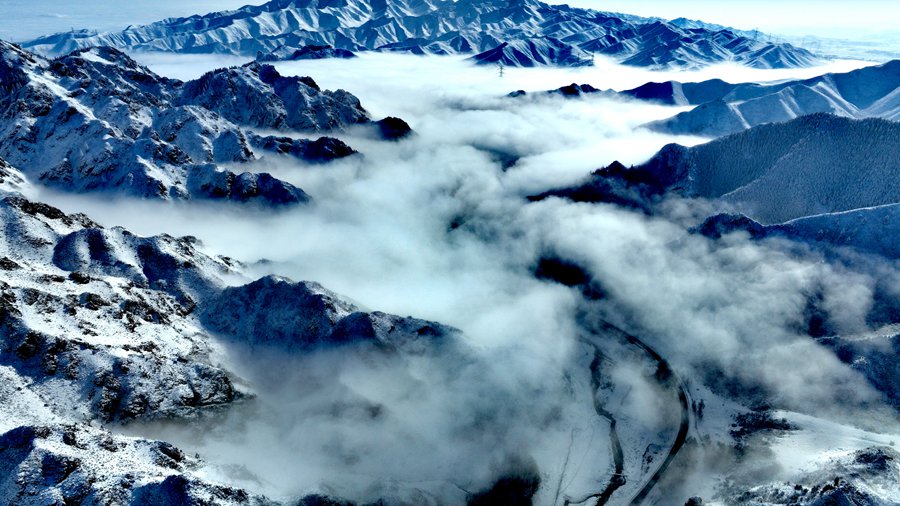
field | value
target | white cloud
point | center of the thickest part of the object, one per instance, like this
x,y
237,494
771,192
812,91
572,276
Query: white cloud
x,y
380,232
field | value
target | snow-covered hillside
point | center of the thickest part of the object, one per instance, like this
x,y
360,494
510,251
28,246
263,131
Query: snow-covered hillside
x,y
441,27
772,173
101,325
537,51
724,108
95,120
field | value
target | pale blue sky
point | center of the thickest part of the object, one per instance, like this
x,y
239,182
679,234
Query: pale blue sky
x,y
23,19
817,17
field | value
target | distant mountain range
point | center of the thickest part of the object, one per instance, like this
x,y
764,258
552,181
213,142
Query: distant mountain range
x,y
725,108
95,120
517,32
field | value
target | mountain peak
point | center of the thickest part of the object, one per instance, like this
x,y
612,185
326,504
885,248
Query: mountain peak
x,y
96,120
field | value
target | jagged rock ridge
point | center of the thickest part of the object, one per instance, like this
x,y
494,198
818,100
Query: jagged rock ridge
x,y
95,120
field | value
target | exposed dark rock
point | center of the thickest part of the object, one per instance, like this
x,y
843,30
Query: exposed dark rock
x,y
274,311
323,500
516,487
79,278
752,422
633,188
393,129
323,149
569,274
246,187
7,264
575,90
716,226
307,52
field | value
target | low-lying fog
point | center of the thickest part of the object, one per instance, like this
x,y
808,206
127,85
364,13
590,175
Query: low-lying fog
x,y
436,228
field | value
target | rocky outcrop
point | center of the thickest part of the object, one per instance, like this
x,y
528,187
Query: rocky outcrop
x,y
308,52
323,149
718,225
257,95
100,321
393,129
276,312
79,464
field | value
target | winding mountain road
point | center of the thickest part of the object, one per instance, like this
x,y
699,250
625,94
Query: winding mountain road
x,y
665,376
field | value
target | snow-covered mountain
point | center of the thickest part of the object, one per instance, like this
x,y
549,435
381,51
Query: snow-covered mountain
x,y
59,463
101,325
724,108
773,173
439,27
819,180
273,311
310,52
95,120
532,52
864,477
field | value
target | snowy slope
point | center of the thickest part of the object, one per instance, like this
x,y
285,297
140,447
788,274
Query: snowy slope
x,y
437,27
872,229
726,108
812,165
533,52
78,464
95,120
101,325
99,320
773,173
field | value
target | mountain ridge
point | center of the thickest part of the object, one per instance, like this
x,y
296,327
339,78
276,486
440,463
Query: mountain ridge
x,y
724,108
437,27
773,173
96,121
